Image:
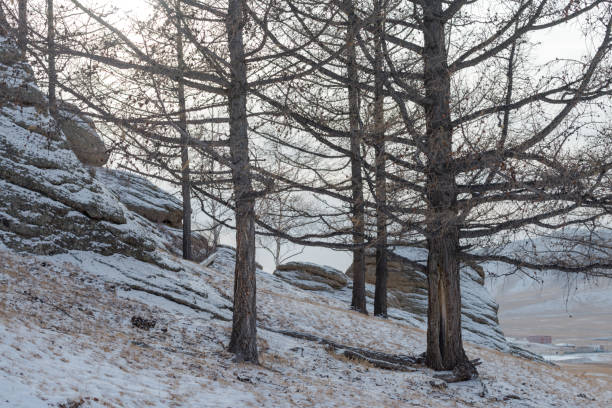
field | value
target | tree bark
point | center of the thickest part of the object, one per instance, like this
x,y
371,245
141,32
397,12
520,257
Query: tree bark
x,y
444,342
22,26
185,167
4,24
51,60
243,341
380,293
358,302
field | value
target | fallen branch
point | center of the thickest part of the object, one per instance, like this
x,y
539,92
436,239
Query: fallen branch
x,y
386,365
396,362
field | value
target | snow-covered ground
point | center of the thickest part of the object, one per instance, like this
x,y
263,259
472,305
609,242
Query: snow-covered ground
x,y
66,335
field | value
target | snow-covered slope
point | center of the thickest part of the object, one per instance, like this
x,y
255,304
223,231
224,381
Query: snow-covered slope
x,y
66,335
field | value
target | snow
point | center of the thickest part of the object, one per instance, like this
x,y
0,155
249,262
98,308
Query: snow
x,y
70,338
580,357
16,395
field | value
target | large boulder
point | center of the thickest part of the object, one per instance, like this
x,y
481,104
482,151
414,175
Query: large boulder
x,y
311,276
223,258
82,136
143,197
407,287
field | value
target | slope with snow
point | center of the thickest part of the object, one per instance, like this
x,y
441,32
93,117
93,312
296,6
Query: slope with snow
x,y
65,335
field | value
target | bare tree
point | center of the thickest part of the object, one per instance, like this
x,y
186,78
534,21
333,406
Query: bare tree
x,y
380,294
51,55
22,27
472,136
287,212
244,330
185,166
358,301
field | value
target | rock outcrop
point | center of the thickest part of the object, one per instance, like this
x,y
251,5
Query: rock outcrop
x,y
143,197
407,288
311,276
17,78
224,259
405,284
84,140
49,202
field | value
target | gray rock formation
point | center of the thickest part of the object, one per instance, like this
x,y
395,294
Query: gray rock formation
x,y
49,202
143,197
84,140
311,276
224,259
17,78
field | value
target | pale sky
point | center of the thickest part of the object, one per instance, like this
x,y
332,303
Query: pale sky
x,y
562,42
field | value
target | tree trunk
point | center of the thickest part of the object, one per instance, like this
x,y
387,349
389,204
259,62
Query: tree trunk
x,y
359,300
51,60
380,294
185,167
243,341
22,26
444,342
277,254
4,24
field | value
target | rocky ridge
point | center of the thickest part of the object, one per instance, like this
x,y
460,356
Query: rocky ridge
x,y
50,201
310,276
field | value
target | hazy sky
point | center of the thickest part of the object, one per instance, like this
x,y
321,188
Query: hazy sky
x,y
562,42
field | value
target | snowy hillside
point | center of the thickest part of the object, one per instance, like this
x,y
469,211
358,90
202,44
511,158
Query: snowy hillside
x,y
67,335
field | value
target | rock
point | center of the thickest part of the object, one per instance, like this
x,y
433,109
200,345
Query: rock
x,y
199,244
143,197
77,403
17,85
438,383
224,259
407,289
311,276
23,95
9,55
405,284
143,323
49,202
82,136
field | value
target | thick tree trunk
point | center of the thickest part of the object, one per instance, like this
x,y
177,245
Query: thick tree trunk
x,y
359,299
185,167
51,60
243,341
4,24
22,26
444,342
380,294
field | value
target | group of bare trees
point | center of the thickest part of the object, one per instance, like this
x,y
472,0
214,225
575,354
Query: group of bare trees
x,y
443,124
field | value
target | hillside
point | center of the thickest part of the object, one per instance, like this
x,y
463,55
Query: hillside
x,y
66,334
96,309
